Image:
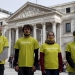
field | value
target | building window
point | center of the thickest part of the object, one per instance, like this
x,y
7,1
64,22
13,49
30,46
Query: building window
x,y
68,27
1,23
67,10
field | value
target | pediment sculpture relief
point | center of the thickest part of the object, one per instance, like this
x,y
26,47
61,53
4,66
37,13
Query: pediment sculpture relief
x,y
30,11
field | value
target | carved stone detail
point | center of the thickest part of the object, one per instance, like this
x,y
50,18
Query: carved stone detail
x,y
30,11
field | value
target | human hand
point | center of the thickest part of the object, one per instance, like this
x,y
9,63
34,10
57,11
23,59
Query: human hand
x,y
16,68
60,71
43,72
33,68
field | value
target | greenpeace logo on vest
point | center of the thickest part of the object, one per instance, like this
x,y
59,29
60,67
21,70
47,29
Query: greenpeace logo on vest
x,y
52,48
25,42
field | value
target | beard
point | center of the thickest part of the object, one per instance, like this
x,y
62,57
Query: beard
x,y
26,34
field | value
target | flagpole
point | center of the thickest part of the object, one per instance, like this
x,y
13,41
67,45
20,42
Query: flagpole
x,y
36,1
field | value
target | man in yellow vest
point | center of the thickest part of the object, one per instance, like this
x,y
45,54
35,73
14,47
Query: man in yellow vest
x,y
25,48
70,56
3,51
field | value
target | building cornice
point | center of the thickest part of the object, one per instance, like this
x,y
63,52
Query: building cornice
x,y
4,11
64,4
42,14
32,4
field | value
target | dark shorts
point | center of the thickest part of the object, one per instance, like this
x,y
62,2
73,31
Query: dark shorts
x,y
25,71
1,69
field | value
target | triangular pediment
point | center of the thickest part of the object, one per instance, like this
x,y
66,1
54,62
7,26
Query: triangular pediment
x,y
28,10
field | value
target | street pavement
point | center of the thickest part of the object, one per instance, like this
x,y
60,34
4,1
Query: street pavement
x,y
10,71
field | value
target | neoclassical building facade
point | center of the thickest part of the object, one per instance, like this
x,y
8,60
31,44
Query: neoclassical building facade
x,y
60,19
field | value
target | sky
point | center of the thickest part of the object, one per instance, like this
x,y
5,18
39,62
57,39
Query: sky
x,y
14,5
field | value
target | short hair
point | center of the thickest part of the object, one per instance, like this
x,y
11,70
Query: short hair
x,y
27,26
73,33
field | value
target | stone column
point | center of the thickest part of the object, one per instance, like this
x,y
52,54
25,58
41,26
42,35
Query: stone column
x,y
72,25
9,50
60,34
54,29
4,29
44,31
17,34
34,31
41,35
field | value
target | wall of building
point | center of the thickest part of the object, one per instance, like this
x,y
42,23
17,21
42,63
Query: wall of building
x,y
66,18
